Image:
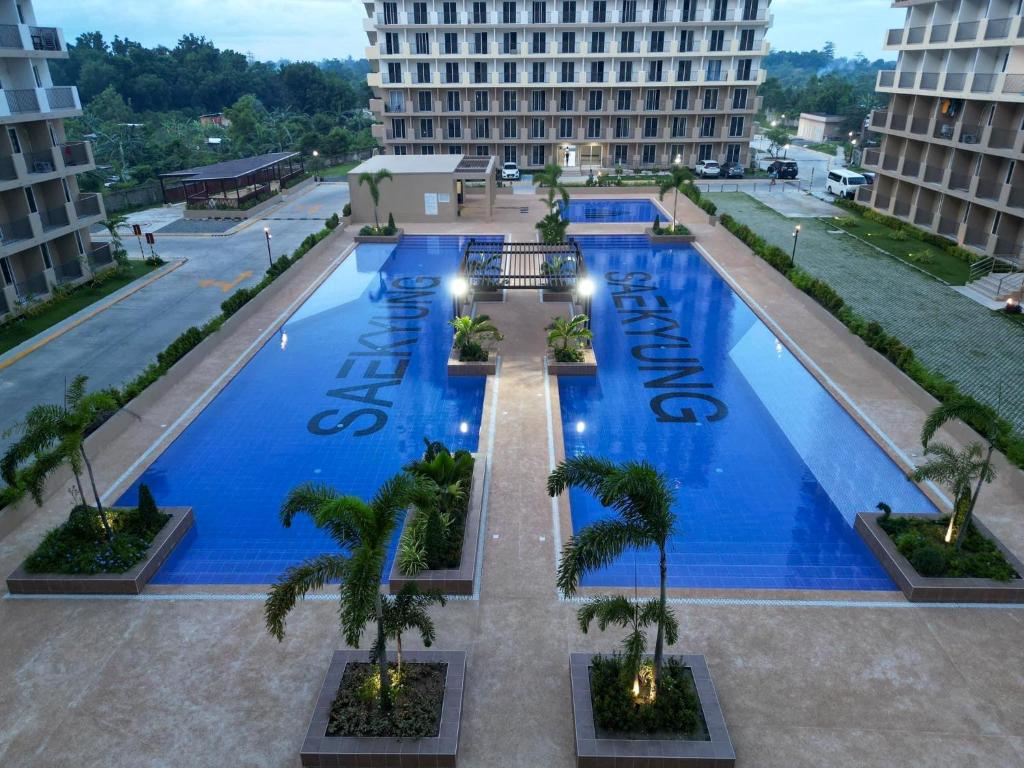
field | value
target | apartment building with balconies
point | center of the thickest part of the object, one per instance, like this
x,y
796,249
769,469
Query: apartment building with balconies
x,y
44,218
586,84
952,154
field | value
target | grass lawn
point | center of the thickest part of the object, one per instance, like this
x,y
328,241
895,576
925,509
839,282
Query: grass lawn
x,y
930,258
339,171
16,331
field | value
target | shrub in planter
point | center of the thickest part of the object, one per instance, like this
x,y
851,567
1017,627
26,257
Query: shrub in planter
x,y
332,221
470,333
347,210
553,228
566,338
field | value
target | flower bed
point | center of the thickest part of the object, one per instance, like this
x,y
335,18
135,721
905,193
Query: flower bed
x,y
418,696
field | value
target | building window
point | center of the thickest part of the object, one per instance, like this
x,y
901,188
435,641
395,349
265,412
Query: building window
x,y
628,11
482,128
657,42
714,71
595,101
454,149
750,9
422,73
565,101
648,156
625,71
511,156
538,103
621,128
705,152
720,9
480,42
424,102
539,14
537,156
568,72
511,129
565,128
479,12
568,12
479,72
711,98
707,126
744,69
717,41
599,13
568,42
689,10
509,43
623,100
686,44
47,263
654,70
732,153
390,13
658,10
627,42
594,128
509,101
678,127
682,100
736,126
747,40
391,45
539,73
508,72
685,72
448,13
537,128
650,127
620,153
451,71
5,267
451,42
394,72
427,150
739,98
676,153
480,101
508,13
398,129
454,129
453,101
426,128
597,42
419,13
482,150
539,43
597,71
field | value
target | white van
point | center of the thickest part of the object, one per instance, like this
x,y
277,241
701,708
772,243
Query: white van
x,y
843,183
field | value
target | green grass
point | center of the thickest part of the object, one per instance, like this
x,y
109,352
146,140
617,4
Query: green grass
x,y
22,329
828,147
930,258
338,171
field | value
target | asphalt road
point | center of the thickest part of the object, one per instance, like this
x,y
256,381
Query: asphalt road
x,y
115,345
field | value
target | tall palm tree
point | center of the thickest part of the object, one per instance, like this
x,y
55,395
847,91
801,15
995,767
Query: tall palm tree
x,y
985,421
958,470
408,610
363,531
550,177
373,180
641,497
632,615
678,176
53,435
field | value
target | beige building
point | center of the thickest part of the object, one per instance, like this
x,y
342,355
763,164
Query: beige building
x,y
952,153
582,83
44,220
424,189
819,128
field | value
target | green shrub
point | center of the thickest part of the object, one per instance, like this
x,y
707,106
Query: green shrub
x,y
180,347
347,210
929,560
922,542
675,710
473,352
148,512
332,221
657,225
391,223
567,355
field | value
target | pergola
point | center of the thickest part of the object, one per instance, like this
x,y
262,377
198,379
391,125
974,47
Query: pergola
x,y
233,182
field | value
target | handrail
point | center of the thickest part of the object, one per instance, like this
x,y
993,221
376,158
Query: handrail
x,y
999,287
980,269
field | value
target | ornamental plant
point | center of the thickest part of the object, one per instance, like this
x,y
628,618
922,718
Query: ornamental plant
x,y
566,337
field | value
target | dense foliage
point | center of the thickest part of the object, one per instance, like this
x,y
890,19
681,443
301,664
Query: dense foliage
x,y
922,542
675,713
471,333
81,546
418,698
817,81
142,104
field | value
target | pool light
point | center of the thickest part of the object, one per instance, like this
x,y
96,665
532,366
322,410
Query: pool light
x,y
586,287
284,340
464,427
460,287
581,427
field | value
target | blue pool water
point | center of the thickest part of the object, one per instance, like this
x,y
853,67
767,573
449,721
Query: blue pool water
x,y
611,211
768,468
371,344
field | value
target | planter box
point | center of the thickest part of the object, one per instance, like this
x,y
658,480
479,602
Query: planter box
x,y
587,368
457,367
380,238
322,751
488,296
669,239
452,581
592,752
131,582
712,220
553,295
925,589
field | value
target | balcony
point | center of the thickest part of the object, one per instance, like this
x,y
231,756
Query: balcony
x,y
68,272
967,31
886,78
871,157
87,206
939,33
933,174
16,230
990,190
76,153
997,29
890,162
920,125
29,102
100,256
960,181
911,168
40,162
929,81
54,218
33,286
901,208
894,37
915,35
8,171
34,41
879,118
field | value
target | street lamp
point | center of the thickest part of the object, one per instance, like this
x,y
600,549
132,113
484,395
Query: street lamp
x,y
316,165
460,287
796,237
266,233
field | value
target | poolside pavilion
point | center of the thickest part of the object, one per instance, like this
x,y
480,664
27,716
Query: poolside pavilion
x,y
233,183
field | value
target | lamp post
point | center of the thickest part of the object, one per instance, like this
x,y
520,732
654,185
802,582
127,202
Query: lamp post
x,y
316,165
460,287
796,237
585,289
266,233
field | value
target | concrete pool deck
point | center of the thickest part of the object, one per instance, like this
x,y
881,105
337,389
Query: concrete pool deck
x,y
177,678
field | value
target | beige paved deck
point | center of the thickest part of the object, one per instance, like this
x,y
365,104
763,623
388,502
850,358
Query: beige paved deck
x,y
174,682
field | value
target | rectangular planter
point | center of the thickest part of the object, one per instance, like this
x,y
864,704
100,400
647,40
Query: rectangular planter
x,y
441,751
131,582
587,368
457,367
380,238
924,589
669,239
452,581
548,295
488,296
592,752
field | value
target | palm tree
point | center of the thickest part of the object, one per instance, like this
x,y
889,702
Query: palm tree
x,y
471,331
557,268
678,176
55,434
986,422
641,497
958,470
550,178
363,532
373,180
408,610
567,335
637,617
112,224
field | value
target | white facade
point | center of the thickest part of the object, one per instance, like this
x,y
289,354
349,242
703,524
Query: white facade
x,y
585,84
44,220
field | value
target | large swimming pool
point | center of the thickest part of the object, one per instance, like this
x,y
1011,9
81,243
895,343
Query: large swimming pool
x,y
768,468
343,394
611,211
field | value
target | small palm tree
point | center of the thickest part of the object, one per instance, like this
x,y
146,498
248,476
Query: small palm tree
x,y
113,224
635,616
408,610
363,531
550,177
470,332
678,176
640,496
567,335
958,470
373,180
557,268
53,435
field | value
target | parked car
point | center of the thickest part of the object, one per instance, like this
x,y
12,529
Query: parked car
x,y
734,171
843,183
510,172
708,168
784,169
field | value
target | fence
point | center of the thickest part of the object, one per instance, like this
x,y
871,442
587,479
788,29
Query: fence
x,y
131,198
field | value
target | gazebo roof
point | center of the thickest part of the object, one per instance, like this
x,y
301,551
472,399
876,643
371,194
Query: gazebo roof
x,y
230,170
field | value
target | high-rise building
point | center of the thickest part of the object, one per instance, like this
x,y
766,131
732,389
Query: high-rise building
x,y
44,219
581,83
952,153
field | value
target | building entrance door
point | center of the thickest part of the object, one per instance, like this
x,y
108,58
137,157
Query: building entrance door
x,y
590,156
568,155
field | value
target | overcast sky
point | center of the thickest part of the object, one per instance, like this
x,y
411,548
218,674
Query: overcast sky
x,y
319,29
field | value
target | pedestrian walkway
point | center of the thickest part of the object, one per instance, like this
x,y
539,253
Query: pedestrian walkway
x,y
948,332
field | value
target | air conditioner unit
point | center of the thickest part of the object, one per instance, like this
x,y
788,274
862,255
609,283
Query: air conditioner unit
x,y
969,138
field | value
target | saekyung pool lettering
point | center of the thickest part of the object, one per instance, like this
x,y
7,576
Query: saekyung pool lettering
x,y
384,365
636,299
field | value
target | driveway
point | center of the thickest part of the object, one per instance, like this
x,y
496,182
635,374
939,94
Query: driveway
x,y
116,344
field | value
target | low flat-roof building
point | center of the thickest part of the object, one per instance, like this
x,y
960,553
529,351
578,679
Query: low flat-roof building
x,y
232,183
819,128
